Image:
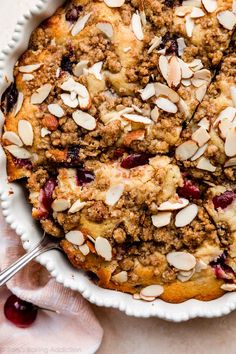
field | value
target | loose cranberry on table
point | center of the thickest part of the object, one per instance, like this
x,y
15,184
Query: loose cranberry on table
x,y
189,190
135,160
20,313
223,200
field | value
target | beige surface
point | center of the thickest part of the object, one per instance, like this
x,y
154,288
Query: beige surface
x,y
126,335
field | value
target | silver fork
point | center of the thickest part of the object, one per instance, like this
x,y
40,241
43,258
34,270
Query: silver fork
x,y
46,244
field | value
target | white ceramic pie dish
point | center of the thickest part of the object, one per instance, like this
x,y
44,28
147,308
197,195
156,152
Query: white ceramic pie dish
x,y
18,213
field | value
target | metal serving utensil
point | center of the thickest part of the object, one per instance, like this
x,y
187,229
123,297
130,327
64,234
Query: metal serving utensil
x,y
46,244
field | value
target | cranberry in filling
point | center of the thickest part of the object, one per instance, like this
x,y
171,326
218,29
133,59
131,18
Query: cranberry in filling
x,y
20,312
135,160
170,43
46,199
223,200
84,176
23,163
9,98
189,190
72,14
222,270
73,154
67,64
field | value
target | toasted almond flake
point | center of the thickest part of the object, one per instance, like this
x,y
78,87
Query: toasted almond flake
x,y
60,205
186,72
186,83
103,248
13,138
197,13
197,82
137,26
56,110
58,72
204,122
121,277
18,152
199,153
195,63
181,260
29,68
71,85
201,136
126,50
182,203
19,103
233,94
183,107
96,70
44,132
106,28
161,219
230,142
155,42
234,7
79,67
164,90
182,11
186,150
113,194
163,65
84,103
80,24
114,3
137,118
210,5
148,92
84,120
147,298
203,74
66,98
181,46
174,72
227,19
166,105
152,291
224,127
200,92
228,287
189,25
231,162
192,3
41,94
84,249
76,237
77,206
200,265
137,109
27,77
26,132
185,276
155,114
137,297
227,113
204,164
186,215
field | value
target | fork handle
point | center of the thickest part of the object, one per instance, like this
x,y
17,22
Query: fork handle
x,y
9,272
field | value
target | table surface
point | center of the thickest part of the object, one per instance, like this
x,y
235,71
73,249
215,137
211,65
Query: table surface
x,y
126,335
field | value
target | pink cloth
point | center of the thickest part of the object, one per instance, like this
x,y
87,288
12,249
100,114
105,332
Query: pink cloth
x,y
72,329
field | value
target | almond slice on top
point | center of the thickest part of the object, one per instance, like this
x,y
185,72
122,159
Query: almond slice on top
x,y
96,70
233,92
186,150
161,219
137,118
155,42
181,260
59,205
199,153
227,19
231,162
166,105
152,291
201,136
182,11
186,72
200,92
113,194
19,103
13,138
163,66
210,5
189,25
78,69
174,72
205,164
80,24
182,203
26,132
106,28
76,237
84,120
186,215
66,98
41,94
84,249
27,77
137,26
227,113
164,90
56,110
121,277
181,46
18,152
103,248
148,92
29,68
197,13
77,206
114,3
230,142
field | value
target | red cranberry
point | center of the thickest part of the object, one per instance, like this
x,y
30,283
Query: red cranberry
x,y
135,160
20,312
84,177
67,64
73,154
72,14
221,268
223,200
46,199
118,153
169,42
189,190
23,163
9,98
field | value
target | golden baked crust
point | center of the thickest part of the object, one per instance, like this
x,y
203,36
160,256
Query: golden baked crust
x,y
102,119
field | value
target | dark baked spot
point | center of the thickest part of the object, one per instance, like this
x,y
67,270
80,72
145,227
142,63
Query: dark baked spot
x,y
9,98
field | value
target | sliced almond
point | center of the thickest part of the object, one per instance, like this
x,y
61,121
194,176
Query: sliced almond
x,y
13,138
155,114
137,26
200,265
204,122
73,86
114,3
164,90
186,83
197,13
185,276
186,150
199,153
19,103
228,287
84,102
103,248
182,11
18,152
106,28
155,42
200,92
182,203
227,19
114,194
96,70
174,72
195,63
152,291
231,162
230,142
77,206
60,205
228,113
203,74
181,46
80,24
121,277
26,132
147,298
204,164
163,65
183,108
56,110
210,5
137,297
186,215
161,219
201,136
181,260
186,72
137,118
66,98
166,105
191,3
189,25
233,92
29,68
224,127
79,68
148,92
44,132
41,94
234,6
27,77
76,237
84,249
84,120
